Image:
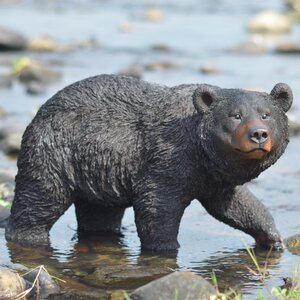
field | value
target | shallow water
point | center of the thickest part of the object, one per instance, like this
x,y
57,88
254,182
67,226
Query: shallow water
x,y
197,33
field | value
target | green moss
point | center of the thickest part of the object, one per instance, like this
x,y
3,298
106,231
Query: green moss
x,y
4,203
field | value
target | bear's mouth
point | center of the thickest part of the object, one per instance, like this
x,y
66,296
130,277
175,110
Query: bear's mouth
x,y
255,153
252,150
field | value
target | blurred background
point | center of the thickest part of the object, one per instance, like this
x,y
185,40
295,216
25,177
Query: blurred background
x,y
48,44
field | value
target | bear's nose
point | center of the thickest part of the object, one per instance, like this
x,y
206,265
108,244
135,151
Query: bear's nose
x,y
258,135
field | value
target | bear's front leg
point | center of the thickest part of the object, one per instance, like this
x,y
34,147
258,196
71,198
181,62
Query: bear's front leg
x,y
157,218
240,209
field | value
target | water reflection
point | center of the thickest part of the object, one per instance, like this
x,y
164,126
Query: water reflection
x,y
96,262
103,264
235,268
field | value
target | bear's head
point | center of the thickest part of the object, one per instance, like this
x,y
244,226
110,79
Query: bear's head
x,y
242,132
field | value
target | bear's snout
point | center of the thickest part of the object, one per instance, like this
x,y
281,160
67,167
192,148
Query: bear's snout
x,y
252,140
258,135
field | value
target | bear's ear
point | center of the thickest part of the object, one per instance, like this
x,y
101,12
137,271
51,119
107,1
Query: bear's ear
x,y
283,95
204,96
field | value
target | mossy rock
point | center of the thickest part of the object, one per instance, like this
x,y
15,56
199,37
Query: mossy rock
x,y
293,244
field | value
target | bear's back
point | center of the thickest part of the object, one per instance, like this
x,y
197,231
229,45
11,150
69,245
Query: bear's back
x,y
110,93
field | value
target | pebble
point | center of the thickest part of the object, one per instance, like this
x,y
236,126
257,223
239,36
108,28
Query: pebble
x,y
161,48
135,71
43,43
270,22
153,14
35,88
288,48
210,69
126,27
11,40
38,73
34,76
158,66
118,295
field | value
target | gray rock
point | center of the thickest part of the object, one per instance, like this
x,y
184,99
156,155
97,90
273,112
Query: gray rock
x,y
11,40
178,285
40,74
46,285
35,88
288,48
292,243
11,284
10,140
293,4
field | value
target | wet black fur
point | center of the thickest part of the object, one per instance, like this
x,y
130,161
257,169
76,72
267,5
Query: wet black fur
x,y
110,142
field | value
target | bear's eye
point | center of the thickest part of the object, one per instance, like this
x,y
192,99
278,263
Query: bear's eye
x,y
237,116
265,116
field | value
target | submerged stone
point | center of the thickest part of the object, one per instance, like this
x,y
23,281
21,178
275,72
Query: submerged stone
x,y
123,276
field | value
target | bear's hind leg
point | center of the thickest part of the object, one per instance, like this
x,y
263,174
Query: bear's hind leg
x,y
96,219
36,207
